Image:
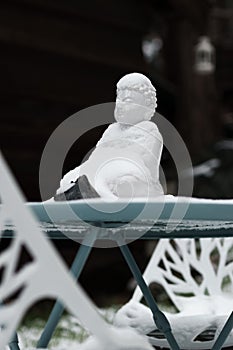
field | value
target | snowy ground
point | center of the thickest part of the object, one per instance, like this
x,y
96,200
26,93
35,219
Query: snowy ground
x,y
68,335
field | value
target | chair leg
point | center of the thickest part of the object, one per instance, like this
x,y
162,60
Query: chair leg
x,y
159,318
14,343
76,269
224,333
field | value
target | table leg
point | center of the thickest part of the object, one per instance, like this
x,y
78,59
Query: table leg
x,y
14,343
76,270
160,319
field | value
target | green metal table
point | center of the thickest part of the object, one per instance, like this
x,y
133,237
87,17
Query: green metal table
x,y
92,221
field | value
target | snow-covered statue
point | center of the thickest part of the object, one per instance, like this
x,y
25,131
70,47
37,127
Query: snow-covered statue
x,y
125,162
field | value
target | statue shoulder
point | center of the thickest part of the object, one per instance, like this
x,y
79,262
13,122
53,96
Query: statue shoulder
x,y
114,127
149,126
111,132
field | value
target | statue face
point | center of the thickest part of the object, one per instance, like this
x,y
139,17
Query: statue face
x,y
131,107
132,96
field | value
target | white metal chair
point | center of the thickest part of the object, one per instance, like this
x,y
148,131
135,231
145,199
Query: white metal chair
x,y
44,276
197,277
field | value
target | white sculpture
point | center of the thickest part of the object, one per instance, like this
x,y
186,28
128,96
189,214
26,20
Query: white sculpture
x,y
197,276
125,162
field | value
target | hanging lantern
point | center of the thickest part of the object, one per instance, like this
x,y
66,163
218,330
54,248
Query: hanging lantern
x,y
152,44
204,56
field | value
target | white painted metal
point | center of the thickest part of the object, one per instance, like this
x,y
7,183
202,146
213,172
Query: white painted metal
x,y
197,276
45,276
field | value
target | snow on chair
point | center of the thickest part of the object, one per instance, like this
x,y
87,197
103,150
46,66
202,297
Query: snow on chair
x,y
44,276
197,276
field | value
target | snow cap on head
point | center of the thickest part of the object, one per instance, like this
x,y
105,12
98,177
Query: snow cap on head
x,y
132,79
139,82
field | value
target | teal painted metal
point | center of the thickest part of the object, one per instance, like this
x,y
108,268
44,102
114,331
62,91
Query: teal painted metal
x,y
117,212
58,308
14,343
224,333
195,224
159,318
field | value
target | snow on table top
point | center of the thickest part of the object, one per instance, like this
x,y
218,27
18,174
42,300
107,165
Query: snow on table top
x,y
161,215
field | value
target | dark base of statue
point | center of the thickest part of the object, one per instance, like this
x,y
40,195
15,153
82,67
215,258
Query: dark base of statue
x,y
81,189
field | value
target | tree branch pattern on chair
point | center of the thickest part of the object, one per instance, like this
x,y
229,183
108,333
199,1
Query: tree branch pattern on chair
x,y
197,277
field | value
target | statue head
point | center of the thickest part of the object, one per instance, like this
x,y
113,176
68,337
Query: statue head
x,y
136,99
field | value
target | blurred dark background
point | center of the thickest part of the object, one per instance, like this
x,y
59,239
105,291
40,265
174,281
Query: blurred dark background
x,y
58,57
